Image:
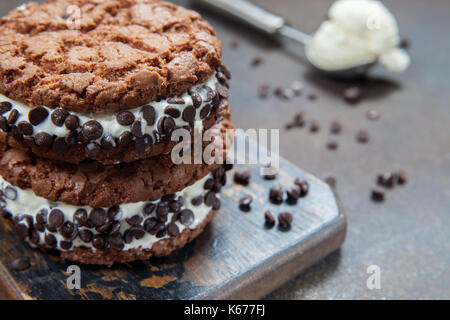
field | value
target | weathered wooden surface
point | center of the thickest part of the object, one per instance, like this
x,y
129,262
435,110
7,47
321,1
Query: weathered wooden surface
x,y
236,256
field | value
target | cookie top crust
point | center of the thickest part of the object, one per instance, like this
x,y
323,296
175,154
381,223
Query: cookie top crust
x,y
103,56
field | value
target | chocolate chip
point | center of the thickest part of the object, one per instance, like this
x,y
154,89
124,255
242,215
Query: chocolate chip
x,y
143,144
331,181
113,212
125,118
93,149
13,116
115,241
86,235
285,220
196,201
125,138
149,115
222,79
149,224
41,217
269,219
276,195
208,92
314,126
136,232
43,139
108,142
242,177
80,217
168,197
352,95
175,100
59,116
271,176
160,230
405,43
167,126
50,240
115,227
92,130
37,115
256,61
97,217
293,194
136,129
362,136
60,146
16,134
222,91
209,184
4,124
244,203
189,114
135,220
20,264
335,127
204,112
303,185
25,128
387,180
174,206
332,145
5,106
55,219
149,208
71,138
224,69
377,195
35,237
284,93
98,242
162,210
210,199
72,122
373,114
402,177
297,87
187,217
68,230
105,228
172,229
65,244
21,230
196,99
10,193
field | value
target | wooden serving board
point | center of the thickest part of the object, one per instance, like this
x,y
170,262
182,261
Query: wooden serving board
x,y
236,257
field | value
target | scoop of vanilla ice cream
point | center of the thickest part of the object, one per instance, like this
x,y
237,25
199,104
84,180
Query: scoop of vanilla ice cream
x,y
357,32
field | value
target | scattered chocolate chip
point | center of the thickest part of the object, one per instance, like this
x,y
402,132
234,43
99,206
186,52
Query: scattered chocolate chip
x,y
93,149
37,115
387,180
92,130
242,177
269,219
59,116
5,106
276,195
108,142
25,128
405,43
86,235
97,217
204,112
135,220
13,116
244,203
189,114
331,181
373,114
297,87
362,136
284,93
21,230
196,99
187,217
50,240
293,194
304,186
377,195
20,264
196,201
55,219
332,145
285,220
10,193
60,146
72,122
172,111
402,177
352,95
335,127
314,126
98,242
125,138
172,229
256,61
43,139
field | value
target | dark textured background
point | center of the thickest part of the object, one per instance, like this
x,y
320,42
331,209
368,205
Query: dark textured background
x,y
408,236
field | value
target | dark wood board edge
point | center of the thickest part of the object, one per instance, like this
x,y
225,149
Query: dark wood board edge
x,y
8,289
283,267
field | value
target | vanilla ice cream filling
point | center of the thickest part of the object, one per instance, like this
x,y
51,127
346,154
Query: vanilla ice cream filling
x,y
357,32
109,123
25,202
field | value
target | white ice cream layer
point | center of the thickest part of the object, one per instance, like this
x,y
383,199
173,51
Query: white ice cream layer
x,y
26,202
357,32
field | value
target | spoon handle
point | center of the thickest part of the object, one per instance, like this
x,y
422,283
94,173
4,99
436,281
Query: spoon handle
x,y
249,13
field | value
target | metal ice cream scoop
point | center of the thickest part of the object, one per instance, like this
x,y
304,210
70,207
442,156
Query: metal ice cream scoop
x,y
276,26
